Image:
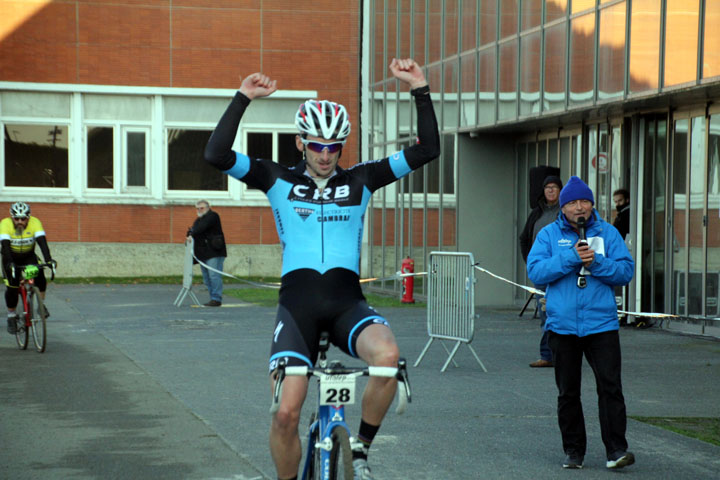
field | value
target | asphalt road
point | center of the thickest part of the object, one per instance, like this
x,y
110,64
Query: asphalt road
x,y
131,387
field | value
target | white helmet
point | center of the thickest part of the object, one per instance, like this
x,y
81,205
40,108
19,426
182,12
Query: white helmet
x,y
323,118
19,209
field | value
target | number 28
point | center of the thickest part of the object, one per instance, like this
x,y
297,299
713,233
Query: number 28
x,y
337,396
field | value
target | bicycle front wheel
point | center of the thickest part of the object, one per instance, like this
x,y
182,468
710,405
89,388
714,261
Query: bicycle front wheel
x,y
315,460
39,314
341,467
21,334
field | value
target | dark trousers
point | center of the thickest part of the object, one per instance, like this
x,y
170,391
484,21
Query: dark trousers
x,y
602,351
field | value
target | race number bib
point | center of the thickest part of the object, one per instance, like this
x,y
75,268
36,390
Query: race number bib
x,y
337,390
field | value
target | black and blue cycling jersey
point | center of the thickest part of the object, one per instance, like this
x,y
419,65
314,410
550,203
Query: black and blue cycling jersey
x,y
320,231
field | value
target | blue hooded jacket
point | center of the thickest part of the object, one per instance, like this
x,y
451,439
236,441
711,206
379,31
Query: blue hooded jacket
x,y
553,261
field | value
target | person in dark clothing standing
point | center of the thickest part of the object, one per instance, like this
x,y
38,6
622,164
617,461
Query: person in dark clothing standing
x,y
210,249
544,214
580,258
621,197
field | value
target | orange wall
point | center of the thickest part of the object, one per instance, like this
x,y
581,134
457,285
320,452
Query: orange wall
x,y
193,43
184,44
433,218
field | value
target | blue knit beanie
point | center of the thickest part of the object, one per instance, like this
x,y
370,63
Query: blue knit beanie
x,y
575,189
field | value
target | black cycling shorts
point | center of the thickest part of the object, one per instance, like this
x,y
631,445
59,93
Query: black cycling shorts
x,y
311,303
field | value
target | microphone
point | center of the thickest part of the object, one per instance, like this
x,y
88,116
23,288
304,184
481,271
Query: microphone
x,y
581,281
581,229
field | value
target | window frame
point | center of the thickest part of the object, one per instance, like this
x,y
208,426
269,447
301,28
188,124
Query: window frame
x,y
41,121
155,191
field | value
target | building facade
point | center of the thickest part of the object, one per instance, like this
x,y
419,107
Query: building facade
x,y
622,93
106,106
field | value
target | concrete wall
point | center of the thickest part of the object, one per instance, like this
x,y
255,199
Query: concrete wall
x,y
156,259
486,209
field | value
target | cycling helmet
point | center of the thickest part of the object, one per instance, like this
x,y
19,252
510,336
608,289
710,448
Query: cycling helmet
x,y
20,210
324,119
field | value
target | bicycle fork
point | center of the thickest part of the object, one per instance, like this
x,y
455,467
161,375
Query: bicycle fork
x,y
24,297
329,417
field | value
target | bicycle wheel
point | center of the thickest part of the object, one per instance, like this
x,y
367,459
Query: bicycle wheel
x,y
39,314
341,455
315,466
21,334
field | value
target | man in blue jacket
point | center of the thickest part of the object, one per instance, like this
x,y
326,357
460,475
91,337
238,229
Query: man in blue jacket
x,y
582,318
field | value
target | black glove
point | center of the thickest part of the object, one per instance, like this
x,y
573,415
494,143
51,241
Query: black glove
x,y
53,263
189,232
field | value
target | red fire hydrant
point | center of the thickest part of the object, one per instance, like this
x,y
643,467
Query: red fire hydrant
x,y
408,283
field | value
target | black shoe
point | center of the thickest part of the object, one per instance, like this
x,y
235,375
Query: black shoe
x,y
12,324
620,459
573,461
213,303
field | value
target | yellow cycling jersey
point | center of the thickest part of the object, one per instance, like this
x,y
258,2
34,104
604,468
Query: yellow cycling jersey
x,y
23,242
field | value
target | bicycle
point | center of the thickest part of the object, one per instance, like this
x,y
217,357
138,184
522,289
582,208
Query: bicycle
x,y
34,312
329,450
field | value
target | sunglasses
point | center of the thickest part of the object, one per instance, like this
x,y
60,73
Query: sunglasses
x,y
318,147
20,218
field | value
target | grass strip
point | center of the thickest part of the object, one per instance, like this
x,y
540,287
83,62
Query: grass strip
x,y
706,429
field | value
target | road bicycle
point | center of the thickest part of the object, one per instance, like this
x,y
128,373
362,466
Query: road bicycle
x,y
34,313
329,450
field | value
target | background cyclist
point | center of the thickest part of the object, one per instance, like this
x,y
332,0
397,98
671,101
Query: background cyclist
x,y
18,235
319,211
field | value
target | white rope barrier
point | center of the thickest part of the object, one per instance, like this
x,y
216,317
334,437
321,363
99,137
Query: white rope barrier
x,y
399,275
257,284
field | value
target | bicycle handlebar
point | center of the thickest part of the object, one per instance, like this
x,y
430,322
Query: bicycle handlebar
x,y
399,373
51,266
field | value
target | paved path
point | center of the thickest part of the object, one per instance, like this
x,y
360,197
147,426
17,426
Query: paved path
x,y
133,388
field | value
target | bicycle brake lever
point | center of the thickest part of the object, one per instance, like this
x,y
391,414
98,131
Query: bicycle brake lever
x,y
404,394
277,391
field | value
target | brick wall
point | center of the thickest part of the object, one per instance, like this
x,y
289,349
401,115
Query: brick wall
x,y
147,224
184,44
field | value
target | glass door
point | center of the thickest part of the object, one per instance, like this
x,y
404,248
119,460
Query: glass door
x,y
654,156
689,233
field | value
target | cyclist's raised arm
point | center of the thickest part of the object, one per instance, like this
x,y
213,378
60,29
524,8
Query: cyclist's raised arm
x,y
385,171
218,151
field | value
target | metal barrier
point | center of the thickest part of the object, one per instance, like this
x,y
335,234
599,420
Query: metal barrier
x,y
187,275
451,302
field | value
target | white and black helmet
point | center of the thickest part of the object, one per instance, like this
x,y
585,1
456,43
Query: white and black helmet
x,y
20,210
324,119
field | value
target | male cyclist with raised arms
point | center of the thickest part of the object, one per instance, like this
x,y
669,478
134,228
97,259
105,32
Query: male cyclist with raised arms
x,y
18,235
319,210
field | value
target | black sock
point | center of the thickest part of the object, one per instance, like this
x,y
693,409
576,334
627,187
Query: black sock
x,y
366,434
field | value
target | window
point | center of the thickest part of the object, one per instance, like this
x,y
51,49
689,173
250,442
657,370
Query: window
x,y
288,154
36,155
136,155
187,170
100,153
278,147
263,145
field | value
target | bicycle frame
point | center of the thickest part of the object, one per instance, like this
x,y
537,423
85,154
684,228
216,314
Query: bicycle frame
x,y
24,295
331,412
328,417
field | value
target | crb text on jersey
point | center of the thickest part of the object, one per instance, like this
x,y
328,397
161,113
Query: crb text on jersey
x,y
338,194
